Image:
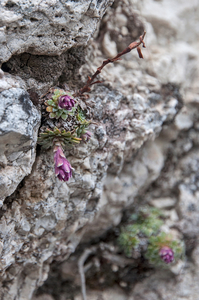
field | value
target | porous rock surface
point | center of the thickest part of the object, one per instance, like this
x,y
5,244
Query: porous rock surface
x,y
144,148
19,124
46,218
47,27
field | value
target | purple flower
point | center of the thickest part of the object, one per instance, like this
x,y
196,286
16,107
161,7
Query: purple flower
x,y
166,254
63,169
66,101
86,136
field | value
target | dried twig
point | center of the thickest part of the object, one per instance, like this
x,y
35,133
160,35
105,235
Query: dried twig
x,y
81,262
132,46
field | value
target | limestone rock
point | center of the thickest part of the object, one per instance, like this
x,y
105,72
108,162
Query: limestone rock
x,y
51,217
111,294
8,81
19,122
47,27
163,202
143,148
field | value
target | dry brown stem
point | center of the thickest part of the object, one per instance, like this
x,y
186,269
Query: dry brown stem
x,y
132,46
81,262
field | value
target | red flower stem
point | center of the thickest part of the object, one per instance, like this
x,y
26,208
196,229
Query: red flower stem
x,y
90,80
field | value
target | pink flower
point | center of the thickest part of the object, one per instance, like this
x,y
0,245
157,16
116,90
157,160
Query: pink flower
x,y
66,101
166,254
63,169
86,136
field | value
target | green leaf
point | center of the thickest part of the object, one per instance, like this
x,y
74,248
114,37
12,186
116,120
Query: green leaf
x,y
66,134
59,113
54,98
57,92
64,117
50,102
56,131
52,115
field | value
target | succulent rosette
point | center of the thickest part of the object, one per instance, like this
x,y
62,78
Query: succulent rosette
x,y
46,139
61,105
163,249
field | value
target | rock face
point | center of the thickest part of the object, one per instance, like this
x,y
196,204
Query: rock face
x,y
47,27
50,216
19,123
144,146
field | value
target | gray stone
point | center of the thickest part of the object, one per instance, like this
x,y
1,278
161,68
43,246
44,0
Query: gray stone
x,y
109,47
19,123
109,294
7,81
47,28
163,202
184,120
51,217
140,149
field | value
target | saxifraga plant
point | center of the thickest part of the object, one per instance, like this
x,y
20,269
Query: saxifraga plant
x,y
66,106
145,229
163,249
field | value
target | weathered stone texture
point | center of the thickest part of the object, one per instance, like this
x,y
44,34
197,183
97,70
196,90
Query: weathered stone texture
x,y
19,123
47,27
144,146
50,216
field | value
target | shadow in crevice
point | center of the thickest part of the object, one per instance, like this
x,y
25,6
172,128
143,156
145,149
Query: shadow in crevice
x,y
40,72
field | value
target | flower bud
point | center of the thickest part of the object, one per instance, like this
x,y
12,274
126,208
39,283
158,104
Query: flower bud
x,y
166,254
66,101
63,169
86,136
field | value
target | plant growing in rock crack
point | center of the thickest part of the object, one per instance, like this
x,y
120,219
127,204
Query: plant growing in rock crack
x,y
70,126
61,105
144,235
163,249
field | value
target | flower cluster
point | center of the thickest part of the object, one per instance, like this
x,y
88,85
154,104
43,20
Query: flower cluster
x,y
66,102
63,169
166,254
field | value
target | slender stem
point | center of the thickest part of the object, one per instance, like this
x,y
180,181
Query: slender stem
x,y
81,262
132,46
